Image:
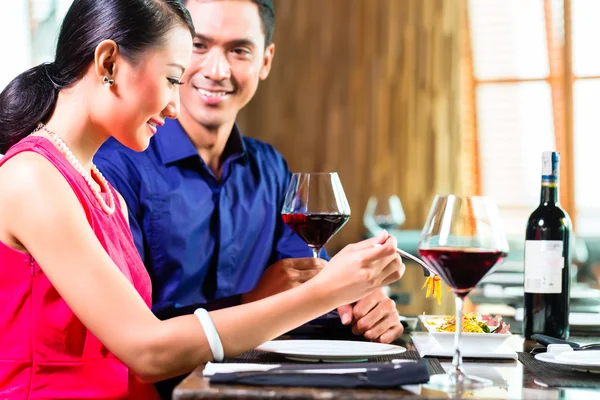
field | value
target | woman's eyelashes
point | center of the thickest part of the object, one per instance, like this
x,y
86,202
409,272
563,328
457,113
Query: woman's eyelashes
x,y
175,81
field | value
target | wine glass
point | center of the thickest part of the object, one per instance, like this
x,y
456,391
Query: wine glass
x,y
462,241
315,207
383,214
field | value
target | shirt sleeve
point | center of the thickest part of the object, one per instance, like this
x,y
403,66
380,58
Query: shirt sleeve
x,y
119,170
287,243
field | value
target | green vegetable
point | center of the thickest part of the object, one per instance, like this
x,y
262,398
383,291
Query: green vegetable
x,y
484,326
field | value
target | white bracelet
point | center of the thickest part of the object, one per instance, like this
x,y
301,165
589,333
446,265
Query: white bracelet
x,y
214,341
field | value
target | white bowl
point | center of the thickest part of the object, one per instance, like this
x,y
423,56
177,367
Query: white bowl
x,y
474,342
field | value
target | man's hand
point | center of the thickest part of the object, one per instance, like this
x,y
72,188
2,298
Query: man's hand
x,y
283,275
374,316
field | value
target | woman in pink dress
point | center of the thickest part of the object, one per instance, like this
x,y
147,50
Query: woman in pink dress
x,y
75,318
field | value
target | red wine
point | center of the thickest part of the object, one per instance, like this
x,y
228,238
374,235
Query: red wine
x,y
315,229
461,268
547,260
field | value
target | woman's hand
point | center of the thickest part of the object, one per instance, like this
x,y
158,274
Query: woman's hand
x,y
360,268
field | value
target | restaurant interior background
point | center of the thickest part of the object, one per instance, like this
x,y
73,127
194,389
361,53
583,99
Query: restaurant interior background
x,y
412,98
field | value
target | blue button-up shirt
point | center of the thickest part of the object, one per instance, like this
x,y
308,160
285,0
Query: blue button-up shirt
x,y
202,238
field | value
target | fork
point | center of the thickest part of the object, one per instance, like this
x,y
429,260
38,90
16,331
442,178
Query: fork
x,y
591,346
426,269
359,373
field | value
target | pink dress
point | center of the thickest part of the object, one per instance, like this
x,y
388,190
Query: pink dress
x,y
45,350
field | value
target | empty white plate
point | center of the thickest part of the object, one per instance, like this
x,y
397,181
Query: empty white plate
x,y
584,319
329,350
584,360
579,292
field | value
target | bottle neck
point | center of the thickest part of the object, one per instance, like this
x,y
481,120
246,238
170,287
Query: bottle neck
x,y
550,193
550,171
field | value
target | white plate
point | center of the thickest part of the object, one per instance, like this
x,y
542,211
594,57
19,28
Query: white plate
x,y
584,360
473,342
329,350
584,320
579,321
578,292
427,346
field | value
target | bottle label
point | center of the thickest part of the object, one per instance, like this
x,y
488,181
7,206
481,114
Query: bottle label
x,y
544,263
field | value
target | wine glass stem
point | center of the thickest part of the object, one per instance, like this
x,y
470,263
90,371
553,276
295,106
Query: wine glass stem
x,y
316,252
457,359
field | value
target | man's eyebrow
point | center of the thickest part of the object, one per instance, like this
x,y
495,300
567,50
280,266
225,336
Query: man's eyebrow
x,y
235,42
204,38
243,42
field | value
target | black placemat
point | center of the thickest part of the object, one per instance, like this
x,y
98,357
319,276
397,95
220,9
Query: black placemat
x,y
556,375
263,357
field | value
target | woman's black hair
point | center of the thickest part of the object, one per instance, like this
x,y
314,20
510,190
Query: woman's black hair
x,y
134,25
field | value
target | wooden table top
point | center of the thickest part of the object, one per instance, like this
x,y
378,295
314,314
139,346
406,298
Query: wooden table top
x,y
512,380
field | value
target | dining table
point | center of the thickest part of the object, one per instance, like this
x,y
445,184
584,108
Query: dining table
x,y
524,378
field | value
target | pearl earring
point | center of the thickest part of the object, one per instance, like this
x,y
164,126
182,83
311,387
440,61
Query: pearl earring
x,y
107,82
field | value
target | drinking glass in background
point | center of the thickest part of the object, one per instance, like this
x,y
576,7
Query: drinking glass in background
x,y
462,241
383,213
315,207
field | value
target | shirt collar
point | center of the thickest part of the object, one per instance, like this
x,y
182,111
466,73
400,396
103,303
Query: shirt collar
x,y
175,145
235,148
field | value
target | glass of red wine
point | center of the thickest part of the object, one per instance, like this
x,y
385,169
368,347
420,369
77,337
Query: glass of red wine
x,y
315,207
462,241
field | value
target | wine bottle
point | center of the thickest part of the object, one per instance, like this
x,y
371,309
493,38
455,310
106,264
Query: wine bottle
x,y
547,259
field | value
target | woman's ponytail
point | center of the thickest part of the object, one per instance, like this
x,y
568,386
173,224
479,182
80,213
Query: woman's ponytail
x,y
27,100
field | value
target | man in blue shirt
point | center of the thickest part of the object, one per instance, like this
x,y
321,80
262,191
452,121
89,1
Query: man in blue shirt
x,y
204,201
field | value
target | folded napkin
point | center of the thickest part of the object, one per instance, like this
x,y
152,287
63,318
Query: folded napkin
x,y
375,375
212,368
546,340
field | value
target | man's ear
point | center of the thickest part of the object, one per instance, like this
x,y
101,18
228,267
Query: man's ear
x,y
267,61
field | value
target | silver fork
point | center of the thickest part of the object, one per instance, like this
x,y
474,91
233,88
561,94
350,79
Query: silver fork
x,y
426,269
360,374
591,346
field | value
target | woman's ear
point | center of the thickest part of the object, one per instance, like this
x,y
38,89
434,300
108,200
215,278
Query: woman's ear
x,y
105,58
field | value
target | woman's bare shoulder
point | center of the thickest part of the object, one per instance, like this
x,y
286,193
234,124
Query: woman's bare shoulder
x,y
29,182
27,173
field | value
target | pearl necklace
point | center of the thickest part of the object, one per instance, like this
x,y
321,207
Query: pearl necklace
x,y
108,208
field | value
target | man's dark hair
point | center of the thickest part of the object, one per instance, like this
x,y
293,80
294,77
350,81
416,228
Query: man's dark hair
x,y
266,11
